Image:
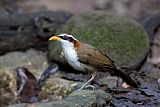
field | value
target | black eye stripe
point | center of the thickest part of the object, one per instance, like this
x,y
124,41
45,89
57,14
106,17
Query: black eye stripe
x,y
70,39
63,37
67,38
60,37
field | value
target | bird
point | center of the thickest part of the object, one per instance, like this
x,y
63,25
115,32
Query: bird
x,y
88,59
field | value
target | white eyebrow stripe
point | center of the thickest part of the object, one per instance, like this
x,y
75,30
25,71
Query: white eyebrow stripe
x,y
67,35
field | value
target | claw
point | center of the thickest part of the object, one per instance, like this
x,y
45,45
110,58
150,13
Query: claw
x,y
90,87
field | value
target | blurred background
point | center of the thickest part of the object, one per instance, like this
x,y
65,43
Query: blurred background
x,y
26,26
136,9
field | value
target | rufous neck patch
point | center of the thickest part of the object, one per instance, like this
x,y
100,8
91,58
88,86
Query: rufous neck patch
x,y
76,44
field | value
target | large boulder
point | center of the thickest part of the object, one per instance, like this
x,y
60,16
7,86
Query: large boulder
x,y
121,38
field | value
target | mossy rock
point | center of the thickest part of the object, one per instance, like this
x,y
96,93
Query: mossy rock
x,y
34,61
8,87
121,38
56,88
88,98
42,104
82,98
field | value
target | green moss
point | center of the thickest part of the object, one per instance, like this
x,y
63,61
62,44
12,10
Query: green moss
x,y
121,38
50,89
87,98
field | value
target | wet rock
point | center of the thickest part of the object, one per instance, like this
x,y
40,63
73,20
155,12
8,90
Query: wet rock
x,y
109,81
117,90
153,104
150,89
87,98
153,94
147,94
150,73
135,96
75,77
123,103
132,96
121,38
127,97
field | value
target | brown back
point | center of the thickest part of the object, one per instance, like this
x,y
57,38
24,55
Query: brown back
x,y
94,57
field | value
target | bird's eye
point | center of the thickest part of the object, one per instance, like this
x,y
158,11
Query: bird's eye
x,y
65,37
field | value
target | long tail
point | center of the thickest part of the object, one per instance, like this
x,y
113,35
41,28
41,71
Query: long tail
x,y
125,77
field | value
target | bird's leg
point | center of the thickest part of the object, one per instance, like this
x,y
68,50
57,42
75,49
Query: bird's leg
x,y
86,84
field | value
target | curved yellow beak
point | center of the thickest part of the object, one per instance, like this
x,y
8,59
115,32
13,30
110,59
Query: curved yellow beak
x,y
55,38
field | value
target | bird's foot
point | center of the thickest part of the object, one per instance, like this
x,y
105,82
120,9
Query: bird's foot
x,y
87,87
90,87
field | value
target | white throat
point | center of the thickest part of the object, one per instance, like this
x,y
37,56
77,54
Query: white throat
x,y
71,55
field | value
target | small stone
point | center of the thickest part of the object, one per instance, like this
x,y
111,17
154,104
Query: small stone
x,y
109,81
125,85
